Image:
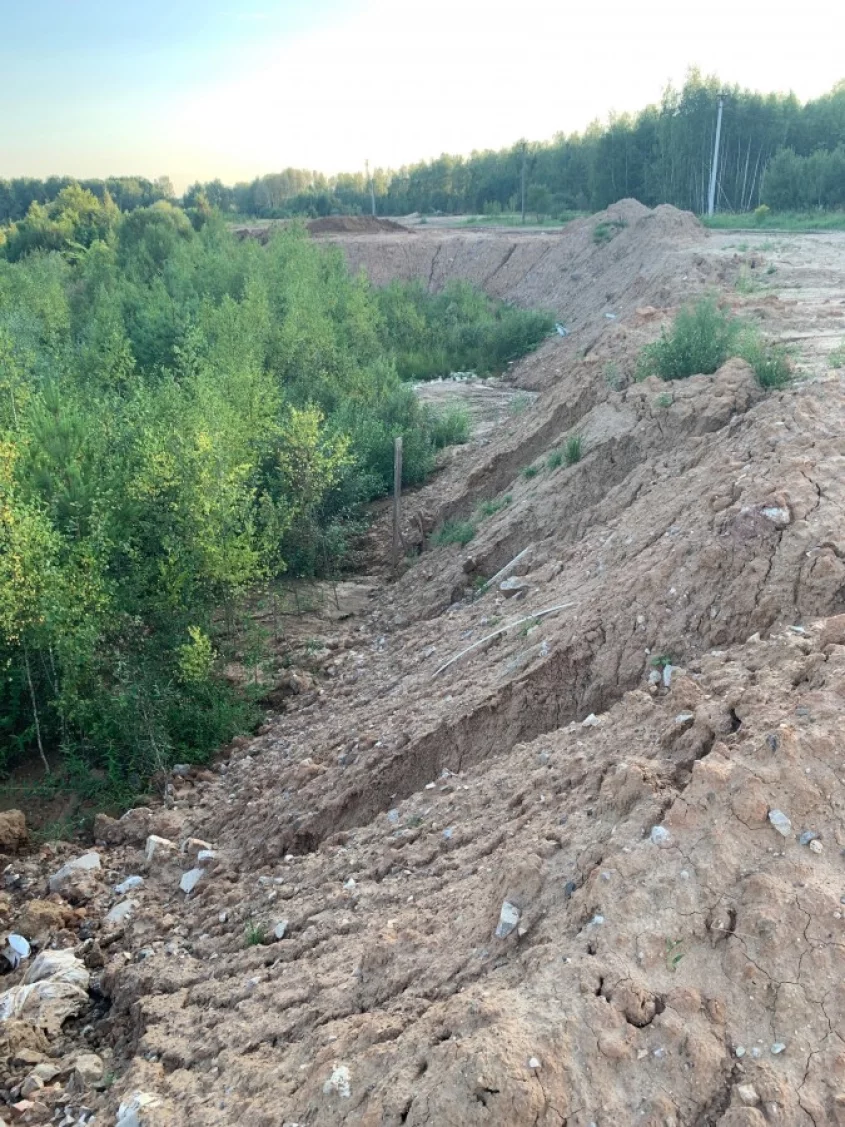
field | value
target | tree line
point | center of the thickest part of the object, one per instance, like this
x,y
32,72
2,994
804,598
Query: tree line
x,y
184,418
774,151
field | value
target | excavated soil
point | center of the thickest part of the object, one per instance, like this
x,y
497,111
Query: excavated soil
x,y
356,225
589,873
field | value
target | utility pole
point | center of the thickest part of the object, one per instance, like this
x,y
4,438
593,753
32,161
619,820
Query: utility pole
x,y
372,186
524,159
714,168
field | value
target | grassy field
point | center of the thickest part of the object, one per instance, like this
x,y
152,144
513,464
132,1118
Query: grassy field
x,y
778,221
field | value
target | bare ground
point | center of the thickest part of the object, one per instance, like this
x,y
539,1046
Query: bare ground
x,y
664,955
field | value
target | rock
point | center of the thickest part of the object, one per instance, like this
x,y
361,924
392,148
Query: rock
x,y
533,1063
88,1071
128,885
190,880
120,913
280,930
205,856
338,1083
777,1048
508,920
157,846
655,677
514,585
806,837
684,719
39,917
816,846
747,1094
31,1085
12,830
667,675
659,835
833,632
53,989
131,1112
780,822
194,845
136,825
591,721
45,1071
77,880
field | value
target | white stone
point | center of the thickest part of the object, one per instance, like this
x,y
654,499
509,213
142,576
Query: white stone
x,y
190,880
121,912
87,863
158,845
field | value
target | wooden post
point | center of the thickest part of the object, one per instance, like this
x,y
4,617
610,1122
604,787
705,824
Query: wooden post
x,y
397,502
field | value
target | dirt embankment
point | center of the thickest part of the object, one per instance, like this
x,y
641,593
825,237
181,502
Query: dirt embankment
x,y
589,873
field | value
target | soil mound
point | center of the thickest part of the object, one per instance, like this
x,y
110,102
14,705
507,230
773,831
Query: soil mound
x,y
560,848
356,225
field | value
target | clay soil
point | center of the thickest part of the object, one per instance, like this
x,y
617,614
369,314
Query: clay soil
x,y
543,885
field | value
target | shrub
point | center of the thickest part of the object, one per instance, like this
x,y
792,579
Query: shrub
x,y
761,214
572,449
255,934
530,471
607,230
664,400
770,361
450,427
836,359
454,532
555,459
701,339
490,508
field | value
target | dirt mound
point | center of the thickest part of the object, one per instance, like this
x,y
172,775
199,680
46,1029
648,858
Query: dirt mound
x,y
588,872
356,225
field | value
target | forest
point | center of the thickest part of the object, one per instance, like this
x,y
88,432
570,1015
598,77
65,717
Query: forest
x,y
775,152
184,419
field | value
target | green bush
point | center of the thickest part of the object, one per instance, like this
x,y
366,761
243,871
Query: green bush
x,y
836,359
606,230
490,508
449,427
530,471
454,532
555,459
572,449
702,337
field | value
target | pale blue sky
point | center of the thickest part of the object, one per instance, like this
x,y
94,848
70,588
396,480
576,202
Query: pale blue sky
x,y
198,88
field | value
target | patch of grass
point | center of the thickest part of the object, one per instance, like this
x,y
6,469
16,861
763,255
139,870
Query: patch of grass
x,y
530,471
450,427
660,661
519,404
572,450
771,269
490,508
612,376
702,337
836,359
607,230
673,954
555,459
254,934
746,283
779,221
454,532
664,400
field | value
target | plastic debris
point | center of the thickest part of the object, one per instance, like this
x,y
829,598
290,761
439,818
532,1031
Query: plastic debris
x,y
17,949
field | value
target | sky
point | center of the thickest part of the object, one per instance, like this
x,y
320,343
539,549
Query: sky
x,y
196,89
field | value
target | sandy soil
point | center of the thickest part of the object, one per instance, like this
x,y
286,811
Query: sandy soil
x,y
591,872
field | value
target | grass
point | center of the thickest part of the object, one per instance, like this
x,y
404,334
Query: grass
x,y
746,282
520,404
836,359
454,532
612,375
778,221
514,219
664,400
702,337
607,230
530,471
490,508
555,459
255,934
572,449
450,427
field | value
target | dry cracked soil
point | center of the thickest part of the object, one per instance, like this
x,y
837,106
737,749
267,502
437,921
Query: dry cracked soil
x,y
590,872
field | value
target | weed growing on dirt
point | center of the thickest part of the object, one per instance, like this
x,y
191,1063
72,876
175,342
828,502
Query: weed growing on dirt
x,y
612,376
673,955
450,427
702,337
519,404
530,471
255,934
607,230
746,283
660,661
779,221
837,358
555,459
490,508
664,400
572,450
454,532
